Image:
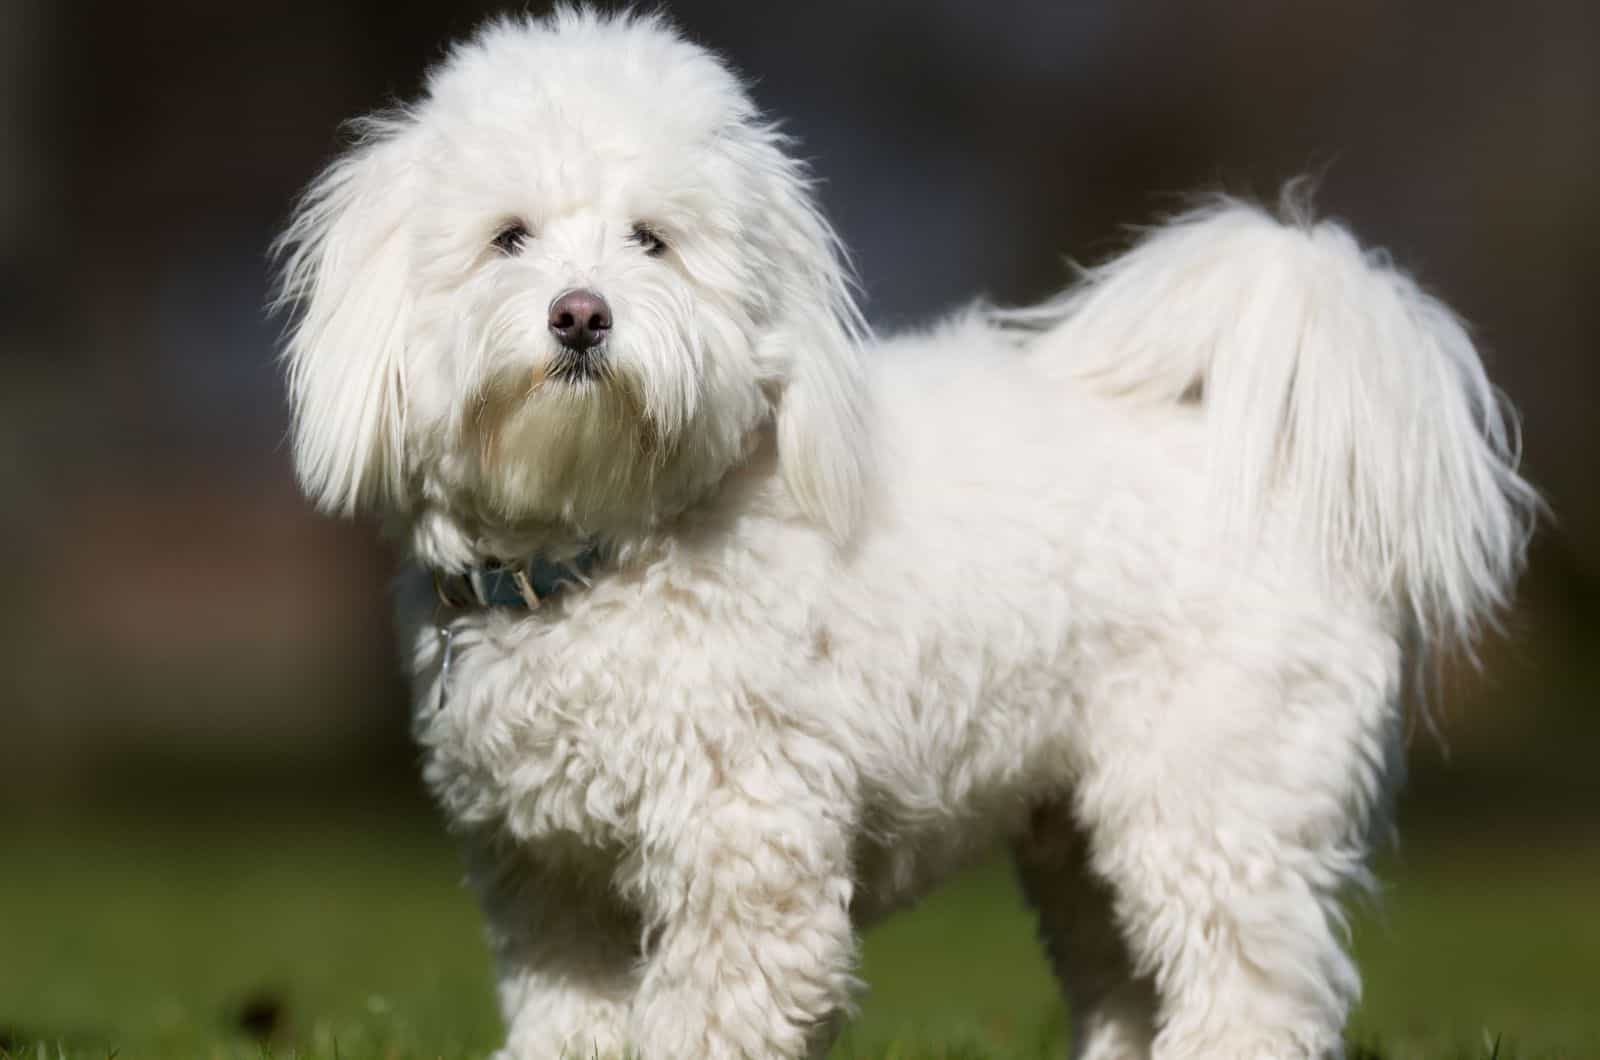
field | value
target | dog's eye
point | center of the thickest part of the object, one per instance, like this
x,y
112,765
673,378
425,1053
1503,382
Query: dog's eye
x,y
510,238
648,239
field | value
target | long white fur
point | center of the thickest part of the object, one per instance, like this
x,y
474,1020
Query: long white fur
x,y
345,267
1127,582
1318,363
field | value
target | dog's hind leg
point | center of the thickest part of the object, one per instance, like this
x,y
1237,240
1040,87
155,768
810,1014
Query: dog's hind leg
x,y
1112,1010
1227,811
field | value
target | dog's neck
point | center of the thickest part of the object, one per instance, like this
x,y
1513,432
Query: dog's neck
x,y
524,583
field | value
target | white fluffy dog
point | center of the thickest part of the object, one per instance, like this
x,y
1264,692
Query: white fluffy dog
x,y
750,627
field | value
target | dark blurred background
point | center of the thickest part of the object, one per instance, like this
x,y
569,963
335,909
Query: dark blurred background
x,y
179,624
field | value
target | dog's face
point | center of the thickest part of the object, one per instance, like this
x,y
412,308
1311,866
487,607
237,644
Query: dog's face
x,y
569,286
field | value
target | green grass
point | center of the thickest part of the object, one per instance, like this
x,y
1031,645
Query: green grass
x,y
348,936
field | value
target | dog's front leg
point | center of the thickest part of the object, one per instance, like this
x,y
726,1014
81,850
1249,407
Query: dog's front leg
x,y
566,952
746,891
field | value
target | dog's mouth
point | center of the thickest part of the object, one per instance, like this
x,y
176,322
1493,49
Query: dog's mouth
x,y
570,365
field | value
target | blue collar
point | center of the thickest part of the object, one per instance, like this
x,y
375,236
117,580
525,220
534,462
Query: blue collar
x,y
523,585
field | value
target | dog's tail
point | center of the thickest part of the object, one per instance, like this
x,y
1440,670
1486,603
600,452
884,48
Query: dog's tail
x,y
1336,392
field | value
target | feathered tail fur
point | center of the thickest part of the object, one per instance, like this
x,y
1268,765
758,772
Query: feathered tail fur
x,y
1335,391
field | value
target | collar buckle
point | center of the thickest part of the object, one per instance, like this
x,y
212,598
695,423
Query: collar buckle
x,y
521,584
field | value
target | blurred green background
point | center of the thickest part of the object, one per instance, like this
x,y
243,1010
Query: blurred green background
x,y
343,932
210,829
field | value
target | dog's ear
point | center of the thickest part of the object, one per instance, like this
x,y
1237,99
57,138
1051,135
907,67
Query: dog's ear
x,y
812,353
345,260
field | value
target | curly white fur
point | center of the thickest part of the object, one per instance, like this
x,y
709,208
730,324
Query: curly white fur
x,y
1129,581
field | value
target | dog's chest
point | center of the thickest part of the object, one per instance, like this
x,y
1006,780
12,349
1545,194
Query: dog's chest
x,y
515,742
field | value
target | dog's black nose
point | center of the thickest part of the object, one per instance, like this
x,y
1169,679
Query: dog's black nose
x,y
580,319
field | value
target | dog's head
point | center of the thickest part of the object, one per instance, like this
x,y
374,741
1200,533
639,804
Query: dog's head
x,y
570,285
